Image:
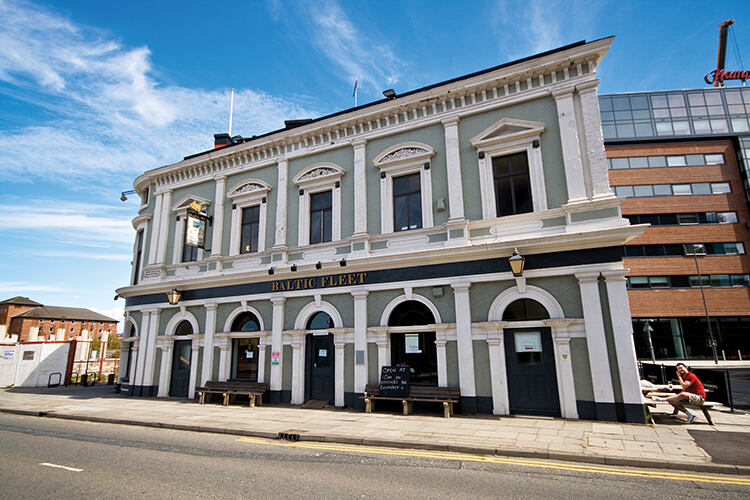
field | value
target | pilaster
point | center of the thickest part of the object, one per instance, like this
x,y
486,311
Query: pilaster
x,y
218,223
155,225
601,375
225,351
339,374
166,208
566,116
208,343
360,187
281,202
453,161
276,345
384,356
622,327
594,140
298,373
194,348
463,336
360,341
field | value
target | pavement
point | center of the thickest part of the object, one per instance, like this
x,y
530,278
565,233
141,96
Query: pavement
x,y
666,444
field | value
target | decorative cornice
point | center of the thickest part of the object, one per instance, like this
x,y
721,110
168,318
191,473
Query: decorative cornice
x,y
503,86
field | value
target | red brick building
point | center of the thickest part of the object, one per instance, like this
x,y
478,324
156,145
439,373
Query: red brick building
x,y
680,160
27,320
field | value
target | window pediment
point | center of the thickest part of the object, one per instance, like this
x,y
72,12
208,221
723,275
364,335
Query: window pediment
x,y
506,130
319,174
249,188
406,152
188,200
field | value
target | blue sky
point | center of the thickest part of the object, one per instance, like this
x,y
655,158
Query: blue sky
x,y
94,93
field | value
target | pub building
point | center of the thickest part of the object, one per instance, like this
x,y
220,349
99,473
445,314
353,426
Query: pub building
x,y
310,257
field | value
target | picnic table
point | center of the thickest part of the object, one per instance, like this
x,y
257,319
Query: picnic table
x,y
649,402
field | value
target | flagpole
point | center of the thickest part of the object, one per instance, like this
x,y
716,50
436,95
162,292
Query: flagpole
x,y
354,93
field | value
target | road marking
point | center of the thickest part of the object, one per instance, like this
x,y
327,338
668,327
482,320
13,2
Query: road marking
x,y
55,466
676,476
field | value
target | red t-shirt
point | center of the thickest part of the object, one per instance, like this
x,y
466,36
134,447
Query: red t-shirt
x,y
695,387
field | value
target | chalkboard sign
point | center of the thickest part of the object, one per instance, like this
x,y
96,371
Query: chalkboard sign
x,y
394,381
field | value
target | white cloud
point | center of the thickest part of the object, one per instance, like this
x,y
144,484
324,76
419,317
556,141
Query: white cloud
x,y
336,36
89,223
84,255
113,118
16,287
525,28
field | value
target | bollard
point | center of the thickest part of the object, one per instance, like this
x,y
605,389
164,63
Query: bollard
x,y
739,354
110,379
84,379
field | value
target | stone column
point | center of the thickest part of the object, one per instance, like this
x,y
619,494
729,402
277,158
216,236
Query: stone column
x,y
442,363
207,366
298,373
338,371
453,161
276,345
384,356
133,365
465,346
165,373
218,224
261,361
281,203
193,368
566,116
360,341
564,366
166,210
360,188
225,351
137,376
622,327
498,370
148,367
155,223
499,375
592,130
596,340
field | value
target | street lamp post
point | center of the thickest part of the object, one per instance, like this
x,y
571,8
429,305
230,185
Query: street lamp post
x,y
712,340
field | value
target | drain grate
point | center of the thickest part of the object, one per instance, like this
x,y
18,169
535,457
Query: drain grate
x,y
288,436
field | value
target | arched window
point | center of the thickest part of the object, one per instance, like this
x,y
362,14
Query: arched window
x,y
184,328
320,321
525,310
416,350
246,322
410,313
131,331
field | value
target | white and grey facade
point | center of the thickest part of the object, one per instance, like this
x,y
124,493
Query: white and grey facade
x,y
387,230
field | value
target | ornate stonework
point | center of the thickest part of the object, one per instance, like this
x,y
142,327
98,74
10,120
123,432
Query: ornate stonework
x,y
402,153
250,187
318,172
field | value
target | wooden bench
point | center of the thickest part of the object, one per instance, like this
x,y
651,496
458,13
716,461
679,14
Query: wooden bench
x,y
253,390
707,405
419,393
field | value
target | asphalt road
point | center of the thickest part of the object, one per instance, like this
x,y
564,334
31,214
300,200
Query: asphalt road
x,y
52,458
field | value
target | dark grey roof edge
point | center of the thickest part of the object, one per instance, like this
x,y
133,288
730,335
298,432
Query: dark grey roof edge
x,y
71,313
21,301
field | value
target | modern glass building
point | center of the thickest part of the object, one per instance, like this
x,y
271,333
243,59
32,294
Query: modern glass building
x,y
681,159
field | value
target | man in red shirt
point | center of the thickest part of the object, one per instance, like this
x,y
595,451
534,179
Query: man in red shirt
x,y
692,393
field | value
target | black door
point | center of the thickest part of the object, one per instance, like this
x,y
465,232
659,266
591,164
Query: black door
x,y
178,386
319,367
532,380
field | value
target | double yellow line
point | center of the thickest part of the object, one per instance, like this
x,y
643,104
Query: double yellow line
x,y
676,476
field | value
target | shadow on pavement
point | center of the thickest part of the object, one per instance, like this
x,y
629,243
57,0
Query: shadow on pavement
x,y
75,391
724,447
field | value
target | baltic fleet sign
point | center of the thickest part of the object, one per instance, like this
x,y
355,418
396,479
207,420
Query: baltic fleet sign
x,y
719,76
333,280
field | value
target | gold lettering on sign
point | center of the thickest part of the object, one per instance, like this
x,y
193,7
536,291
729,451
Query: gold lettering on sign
x,y
324,282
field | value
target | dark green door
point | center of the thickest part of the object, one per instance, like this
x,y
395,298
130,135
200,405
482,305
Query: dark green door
x,y
178,385
319,367
532,379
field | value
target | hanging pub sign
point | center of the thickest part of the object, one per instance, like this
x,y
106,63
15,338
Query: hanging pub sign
x,y
195,226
